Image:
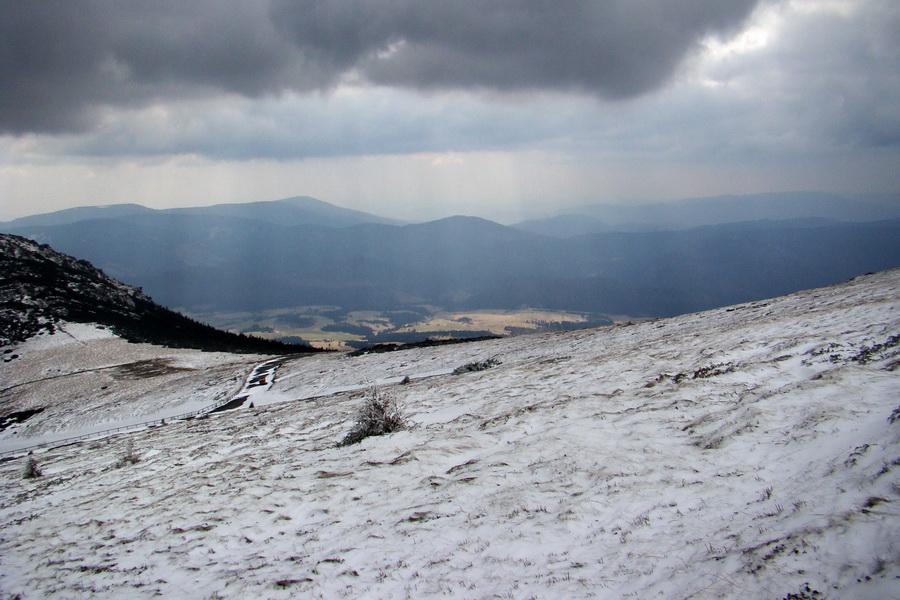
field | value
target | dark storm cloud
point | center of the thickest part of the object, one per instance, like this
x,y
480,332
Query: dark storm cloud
x,y
617,48
61,63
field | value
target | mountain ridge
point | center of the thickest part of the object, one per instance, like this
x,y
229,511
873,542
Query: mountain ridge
x,y
41,288
204,263
294,210
689,213
227,263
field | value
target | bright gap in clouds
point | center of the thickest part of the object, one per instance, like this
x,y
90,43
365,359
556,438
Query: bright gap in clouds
x,y
416,187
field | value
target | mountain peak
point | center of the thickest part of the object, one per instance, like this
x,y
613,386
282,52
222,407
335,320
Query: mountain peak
x,y
293,211
462,221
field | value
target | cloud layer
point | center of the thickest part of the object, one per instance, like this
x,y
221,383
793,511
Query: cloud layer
x,y
615,48
61,63
472,104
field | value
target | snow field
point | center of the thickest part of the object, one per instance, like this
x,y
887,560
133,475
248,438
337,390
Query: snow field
x,y
738,453
87,380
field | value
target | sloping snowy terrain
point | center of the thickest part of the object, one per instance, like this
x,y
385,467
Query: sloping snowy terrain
x,y
743,452
83,379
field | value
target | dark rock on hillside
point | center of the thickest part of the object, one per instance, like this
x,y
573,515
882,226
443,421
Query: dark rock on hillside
x,y
41,287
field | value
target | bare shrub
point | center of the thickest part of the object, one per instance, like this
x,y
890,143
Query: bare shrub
x,y
32,470
895,415
129,457
805,593
476,366
379,414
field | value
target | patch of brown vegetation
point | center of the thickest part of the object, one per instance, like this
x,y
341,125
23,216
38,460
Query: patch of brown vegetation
x,y
144,369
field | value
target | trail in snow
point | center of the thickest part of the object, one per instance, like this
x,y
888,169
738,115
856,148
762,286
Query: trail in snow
x,y
256,387
98,385
255,391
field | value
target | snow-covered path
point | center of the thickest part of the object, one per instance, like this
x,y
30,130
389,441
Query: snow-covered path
x,y
256,388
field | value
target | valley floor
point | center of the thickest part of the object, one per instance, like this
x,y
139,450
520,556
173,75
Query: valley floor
x,y
745,452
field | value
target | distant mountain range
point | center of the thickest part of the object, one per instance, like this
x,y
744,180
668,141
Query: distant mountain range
x,y
298,210
303,252
41,287
815,208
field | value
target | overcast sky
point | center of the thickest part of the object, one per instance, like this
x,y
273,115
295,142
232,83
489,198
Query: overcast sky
x,y
419,109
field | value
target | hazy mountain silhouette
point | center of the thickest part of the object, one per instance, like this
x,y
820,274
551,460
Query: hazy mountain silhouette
x,y
78,214
202,262
298,210
717,210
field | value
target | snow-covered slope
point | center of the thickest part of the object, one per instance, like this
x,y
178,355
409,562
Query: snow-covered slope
x,y
83,379
739,453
